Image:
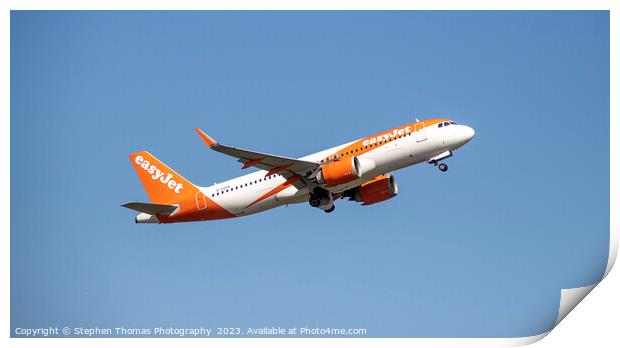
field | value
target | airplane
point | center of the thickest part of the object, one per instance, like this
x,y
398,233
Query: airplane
x,y
358,170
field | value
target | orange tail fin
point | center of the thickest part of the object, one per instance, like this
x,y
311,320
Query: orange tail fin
x,y
162,184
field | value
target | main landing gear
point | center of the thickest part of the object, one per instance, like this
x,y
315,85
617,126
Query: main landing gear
x,y
322,199
315,201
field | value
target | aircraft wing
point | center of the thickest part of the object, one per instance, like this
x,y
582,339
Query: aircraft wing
x,y
273,164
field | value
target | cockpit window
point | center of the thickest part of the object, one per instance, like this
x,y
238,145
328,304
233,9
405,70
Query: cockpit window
x,y
445,124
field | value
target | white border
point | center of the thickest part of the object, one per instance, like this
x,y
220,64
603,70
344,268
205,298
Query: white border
x,y
569,297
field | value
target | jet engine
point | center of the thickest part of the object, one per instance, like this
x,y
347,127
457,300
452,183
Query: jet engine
x,y
376,190
338,172
343,171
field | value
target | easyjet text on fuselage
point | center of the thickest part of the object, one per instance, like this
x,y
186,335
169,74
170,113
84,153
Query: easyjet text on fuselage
x,y
384,137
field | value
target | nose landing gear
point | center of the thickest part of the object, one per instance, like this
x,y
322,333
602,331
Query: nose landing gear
x,y
442,156
441,166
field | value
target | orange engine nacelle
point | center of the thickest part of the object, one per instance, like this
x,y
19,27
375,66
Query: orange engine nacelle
x,y
377,190
338,172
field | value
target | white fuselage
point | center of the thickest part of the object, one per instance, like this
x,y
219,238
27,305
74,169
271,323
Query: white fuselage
x,y
239,195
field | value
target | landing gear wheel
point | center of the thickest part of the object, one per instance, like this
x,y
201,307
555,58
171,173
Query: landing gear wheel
x,y
330,209
314,201
443,167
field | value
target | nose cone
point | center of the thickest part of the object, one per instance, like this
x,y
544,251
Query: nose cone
x,y
468,133
462,135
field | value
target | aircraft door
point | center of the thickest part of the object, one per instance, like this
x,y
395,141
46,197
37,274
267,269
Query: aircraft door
x,y
201,201
419,133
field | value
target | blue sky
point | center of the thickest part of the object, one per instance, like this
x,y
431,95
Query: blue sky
x,y
480,251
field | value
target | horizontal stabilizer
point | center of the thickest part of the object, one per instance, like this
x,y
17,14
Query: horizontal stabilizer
x,y
152,209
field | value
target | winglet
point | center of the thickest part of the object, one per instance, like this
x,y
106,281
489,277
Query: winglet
x,y
207,139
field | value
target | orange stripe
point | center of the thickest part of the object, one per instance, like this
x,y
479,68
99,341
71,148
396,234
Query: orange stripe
x,y
277,189
252,163
361,149
277,169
